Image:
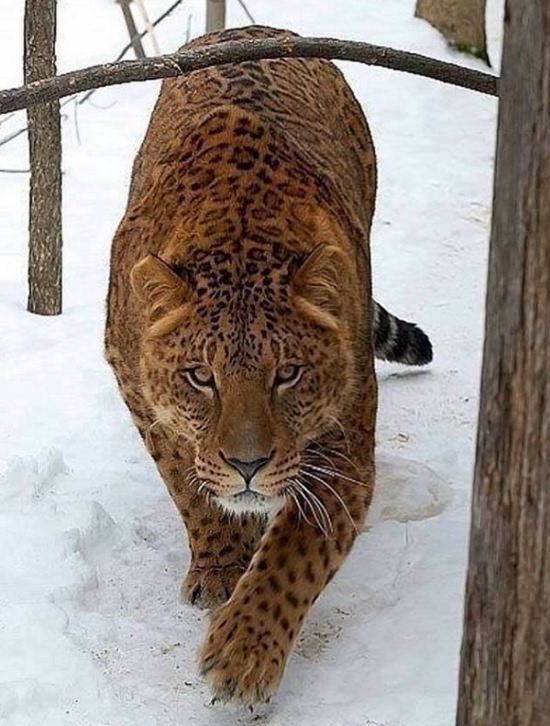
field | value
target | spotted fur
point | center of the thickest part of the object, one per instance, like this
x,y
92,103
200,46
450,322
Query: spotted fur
x,y
240,330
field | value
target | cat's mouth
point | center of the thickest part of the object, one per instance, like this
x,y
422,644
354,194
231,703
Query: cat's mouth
x,y
250,500
250,495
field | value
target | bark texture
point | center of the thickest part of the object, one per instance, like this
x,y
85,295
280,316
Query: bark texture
x,y
462,22
45,241
187,61
215,15
505,669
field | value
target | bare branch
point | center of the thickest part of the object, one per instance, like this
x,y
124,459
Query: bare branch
x,y
148,26
154,24
246,11
86,96
186,61
13,135
132,30
7,118
141,35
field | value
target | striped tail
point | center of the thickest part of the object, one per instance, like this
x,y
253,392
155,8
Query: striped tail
x,y
399,341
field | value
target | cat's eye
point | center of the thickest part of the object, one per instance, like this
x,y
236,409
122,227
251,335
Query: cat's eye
x,y
200,376
288,375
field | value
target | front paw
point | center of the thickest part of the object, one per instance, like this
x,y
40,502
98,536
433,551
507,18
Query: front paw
x,y
241,658
209,587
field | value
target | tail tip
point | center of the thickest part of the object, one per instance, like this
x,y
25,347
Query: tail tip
x,y
423,348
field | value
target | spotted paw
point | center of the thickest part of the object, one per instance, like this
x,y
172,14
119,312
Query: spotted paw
x,y
209,587
241,659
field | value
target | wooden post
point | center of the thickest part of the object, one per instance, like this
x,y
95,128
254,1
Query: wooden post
x,y
215,15
135,38
505,668
462,22
44,122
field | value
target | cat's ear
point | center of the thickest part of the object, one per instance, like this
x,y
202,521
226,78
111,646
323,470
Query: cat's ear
x,y
322,284
318,285
158,286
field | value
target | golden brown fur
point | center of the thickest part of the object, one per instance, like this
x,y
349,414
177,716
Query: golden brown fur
x,y
239,329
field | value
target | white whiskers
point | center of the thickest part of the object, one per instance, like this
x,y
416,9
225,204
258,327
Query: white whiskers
x,y
318,509
297,490
335,493
342,429
193,479
294,496
320,452
334,473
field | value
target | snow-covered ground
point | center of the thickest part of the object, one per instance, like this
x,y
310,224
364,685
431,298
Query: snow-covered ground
x,y
91,548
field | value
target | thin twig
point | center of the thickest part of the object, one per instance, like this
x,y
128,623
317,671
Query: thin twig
x,y
154,24
187,61
246,11
20,131
87,96
126,7
13,135
14,171
129,46
7,118
101,106
148,25
76,127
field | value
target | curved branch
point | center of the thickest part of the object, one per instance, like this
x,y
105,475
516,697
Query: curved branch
x,y
186,61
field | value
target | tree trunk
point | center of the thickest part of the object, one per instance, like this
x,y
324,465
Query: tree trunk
x,y
44,272
462,22
135,38
215,15
505,669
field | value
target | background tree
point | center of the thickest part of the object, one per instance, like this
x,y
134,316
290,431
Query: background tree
x,y
44,123
462,22
215,15
505,670
135,37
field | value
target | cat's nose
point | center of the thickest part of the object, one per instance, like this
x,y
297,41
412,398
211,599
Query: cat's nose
x,y
247,469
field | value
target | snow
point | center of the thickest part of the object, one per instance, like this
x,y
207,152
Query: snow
x,y
91,548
